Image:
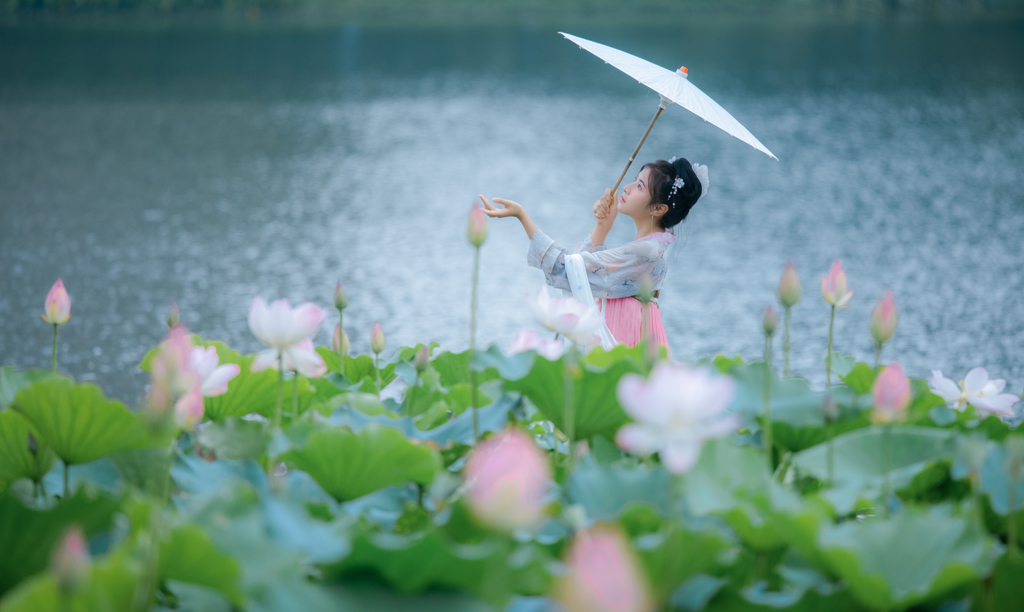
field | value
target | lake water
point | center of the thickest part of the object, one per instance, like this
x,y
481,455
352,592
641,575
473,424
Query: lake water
x,y
207,167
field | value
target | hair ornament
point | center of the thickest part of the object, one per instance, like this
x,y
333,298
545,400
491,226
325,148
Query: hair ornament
x,y
676,184
672,159
702,176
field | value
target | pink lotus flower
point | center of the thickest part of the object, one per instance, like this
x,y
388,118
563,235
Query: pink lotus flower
x,y
789,289
833,286
377,339
280,326
507,480
883,318
69,562
770,321
476,230
529,340
58,304
975,389
675,411
568,317
188,410
603,575
301,357
892,394
213,377
171,370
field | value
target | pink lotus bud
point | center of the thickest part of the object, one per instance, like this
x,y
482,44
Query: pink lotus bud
x,y
833,286
340,299
69,563
603,575
188,410
476,231
173,316
883,318
507,481
892,394
770,321
336,339
377,339
58,304
421,359
789,289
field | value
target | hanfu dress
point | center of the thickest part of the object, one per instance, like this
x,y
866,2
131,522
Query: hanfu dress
x,y
615,277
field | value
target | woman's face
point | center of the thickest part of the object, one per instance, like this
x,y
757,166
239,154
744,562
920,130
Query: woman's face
x,y
636,196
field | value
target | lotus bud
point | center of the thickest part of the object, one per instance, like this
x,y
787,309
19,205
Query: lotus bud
x,y
340,298
829,409
476,231
770,321
789,289
33,446
422,358
892,394
69,563
173,316
603,575
188,410
377,339
883,318
339,341
833,286
58,304
507,480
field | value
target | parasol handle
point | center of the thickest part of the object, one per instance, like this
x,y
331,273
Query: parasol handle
x,y
632,157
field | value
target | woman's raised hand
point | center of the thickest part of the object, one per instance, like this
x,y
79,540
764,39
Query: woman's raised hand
x,y
605,208
508,208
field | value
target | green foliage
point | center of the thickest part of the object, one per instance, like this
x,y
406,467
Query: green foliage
x,y
189,556
17,460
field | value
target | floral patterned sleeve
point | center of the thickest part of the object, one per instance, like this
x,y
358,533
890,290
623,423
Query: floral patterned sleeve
x,y
613,273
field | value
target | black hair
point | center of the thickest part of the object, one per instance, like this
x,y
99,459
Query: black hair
x,y
680,199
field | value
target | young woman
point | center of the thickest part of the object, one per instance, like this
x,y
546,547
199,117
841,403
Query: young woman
x,y
661,197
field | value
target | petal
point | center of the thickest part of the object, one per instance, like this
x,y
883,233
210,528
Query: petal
x,y
304,359
217,382
943,387
306,320
638,439
1001,404
257,315
264,360
975,381
680,457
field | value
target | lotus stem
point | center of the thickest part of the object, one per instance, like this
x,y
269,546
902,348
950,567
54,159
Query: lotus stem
x,y
295,395
472,343
54,348
886,459
1011,498
768,403
829,453
828,355
65,480
878,353
280,388
35,490
785,343
376,370
410,397
568,412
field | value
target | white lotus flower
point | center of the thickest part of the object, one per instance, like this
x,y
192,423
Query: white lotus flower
x,y
675,410
213,377
529,340
301,358
975,389
568,317
281,326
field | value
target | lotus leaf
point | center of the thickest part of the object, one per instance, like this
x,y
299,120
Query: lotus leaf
x,y
16,460
189,556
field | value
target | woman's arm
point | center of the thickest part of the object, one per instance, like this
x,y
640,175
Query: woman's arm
x,y
510,209
605,210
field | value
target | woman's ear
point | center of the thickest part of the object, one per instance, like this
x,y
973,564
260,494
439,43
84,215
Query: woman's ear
x,y
659,210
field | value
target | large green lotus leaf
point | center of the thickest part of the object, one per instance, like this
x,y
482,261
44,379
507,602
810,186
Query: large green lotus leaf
x,y
12,381
673,554
111,586
994,477
16,460
454,368
145,469
28,536
792,400
188,556
917,554
860,378
596,408
234,438
857,461
604,491
360,369
733,482
78,422
1008,582
349,465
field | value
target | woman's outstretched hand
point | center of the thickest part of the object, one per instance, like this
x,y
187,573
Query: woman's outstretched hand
x,y
606,208
509,209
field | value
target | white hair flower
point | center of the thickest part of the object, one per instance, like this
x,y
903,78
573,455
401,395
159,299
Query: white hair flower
x,y
702,176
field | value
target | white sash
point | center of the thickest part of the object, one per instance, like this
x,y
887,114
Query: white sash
x,y
576,272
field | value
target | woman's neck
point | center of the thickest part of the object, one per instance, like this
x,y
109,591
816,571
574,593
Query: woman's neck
x,y
646,227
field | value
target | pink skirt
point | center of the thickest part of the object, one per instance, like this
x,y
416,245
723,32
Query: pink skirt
x,y
623,316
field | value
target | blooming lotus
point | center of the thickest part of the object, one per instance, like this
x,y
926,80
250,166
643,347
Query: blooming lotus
x,y
69,563
892,394
529,340
213,378
188,410
975,389
58,304
833,286
603,575
568,317
789,289
883,318
476,229
300,357
675,410
281,326
507,480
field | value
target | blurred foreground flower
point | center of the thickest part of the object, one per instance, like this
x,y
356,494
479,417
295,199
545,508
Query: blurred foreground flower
x,y
58,304
507,478
476,228
892,394
833,286
529,340
171,374
603,575
789,288
213,378
568,317
301,358
675,410
69,563
975,389
281,326
883,322
173,316
188,410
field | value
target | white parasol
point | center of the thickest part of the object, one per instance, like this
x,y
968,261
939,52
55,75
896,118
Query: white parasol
x,y
674,88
